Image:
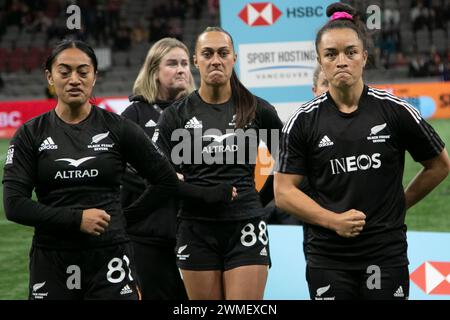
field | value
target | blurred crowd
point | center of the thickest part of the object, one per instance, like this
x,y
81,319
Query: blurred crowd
x,y
413,36
101,19
422,47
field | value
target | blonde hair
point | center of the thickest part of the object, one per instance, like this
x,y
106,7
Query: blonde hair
x,y
146,83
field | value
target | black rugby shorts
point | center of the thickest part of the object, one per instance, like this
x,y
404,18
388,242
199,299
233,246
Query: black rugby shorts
x,y
98,273
222,245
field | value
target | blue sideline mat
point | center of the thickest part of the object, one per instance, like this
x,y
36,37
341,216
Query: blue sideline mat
x,y
428,252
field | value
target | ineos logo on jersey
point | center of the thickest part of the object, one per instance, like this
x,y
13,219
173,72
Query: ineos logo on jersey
x,y
76,174
355,163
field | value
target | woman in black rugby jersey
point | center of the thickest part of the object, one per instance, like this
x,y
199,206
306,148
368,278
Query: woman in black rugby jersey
x,y
213,135
350,142
73,157
164,78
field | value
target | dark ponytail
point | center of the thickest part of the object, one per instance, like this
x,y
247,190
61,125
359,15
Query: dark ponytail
x,y
355,23
244,101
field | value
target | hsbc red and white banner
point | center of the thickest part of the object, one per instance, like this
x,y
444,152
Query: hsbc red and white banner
x,y
429,258
433,277
274,41
14,113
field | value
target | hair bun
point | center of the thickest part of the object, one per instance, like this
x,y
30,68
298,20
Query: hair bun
x,y
340,7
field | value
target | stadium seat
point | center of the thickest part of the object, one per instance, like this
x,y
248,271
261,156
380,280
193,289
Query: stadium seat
x,y
439,40
423,41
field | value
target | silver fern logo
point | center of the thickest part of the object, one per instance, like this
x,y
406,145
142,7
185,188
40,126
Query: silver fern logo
x,y
37,286
374,135
181,249
322,290
38,295
95,144
377,129
99,137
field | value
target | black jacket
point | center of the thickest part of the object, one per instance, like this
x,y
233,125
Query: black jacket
x,y
159,226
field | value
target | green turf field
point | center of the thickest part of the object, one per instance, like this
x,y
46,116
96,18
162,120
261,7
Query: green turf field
x,y
429,215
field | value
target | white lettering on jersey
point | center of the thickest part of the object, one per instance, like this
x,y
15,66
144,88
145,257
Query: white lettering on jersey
x,y
10,155
241,148
96,146
76,174
193,124
378,138
155,136
100,146
48,144
10,119
215,149
75,163
355,163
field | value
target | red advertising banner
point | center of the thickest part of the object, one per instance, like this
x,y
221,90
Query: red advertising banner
x,y
14,113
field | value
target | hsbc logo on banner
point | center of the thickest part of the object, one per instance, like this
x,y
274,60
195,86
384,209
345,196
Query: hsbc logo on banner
x,y
260,14
433,277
